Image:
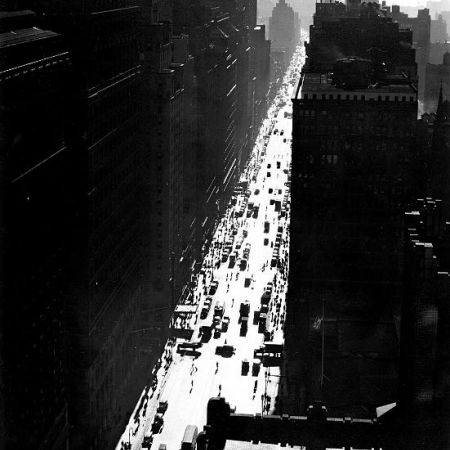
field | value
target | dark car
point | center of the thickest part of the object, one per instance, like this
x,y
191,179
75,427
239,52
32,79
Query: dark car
x,y
213,287
162,407
225,350
158,423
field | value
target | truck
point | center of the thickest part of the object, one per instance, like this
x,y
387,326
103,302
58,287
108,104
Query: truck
x,y
189,438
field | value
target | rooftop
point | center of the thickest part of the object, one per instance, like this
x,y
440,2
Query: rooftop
x,y
25,35
320,84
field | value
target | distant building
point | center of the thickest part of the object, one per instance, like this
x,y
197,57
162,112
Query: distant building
x,y
260,69
438,30
437,75
439,157
358,30
421,31
284,29
437,50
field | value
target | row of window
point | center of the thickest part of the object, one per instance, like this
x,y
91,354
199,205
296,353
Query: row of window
x,y
380,98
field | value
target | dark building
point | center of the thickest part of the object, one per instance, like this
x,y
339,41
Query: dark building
x,y
424,388
220,41
104,358
260,72
438,158
226,430
437,50
352,164
36,212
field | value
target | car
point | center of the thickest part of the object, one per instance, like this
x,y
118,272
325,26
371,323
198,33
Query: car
x,y
245,367
284,140
217,330
225,351
256,366
268,174
281,132
266,241
162,407
213,287
158,423
270,190
256,191
225,323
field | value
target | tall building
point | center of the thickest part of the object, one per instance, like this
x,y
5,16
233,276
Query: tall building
x,y
36,212
424,389
284,29
438,160
421,40
106,361
353,136
439,29
437,77
260,69
220,42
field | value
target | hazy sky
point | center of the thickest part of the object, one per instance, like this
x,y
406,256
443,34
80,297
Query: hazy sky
x,y
414,3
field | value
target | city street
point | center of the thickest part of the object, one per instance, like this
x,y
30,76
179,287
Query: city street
x,y
247,258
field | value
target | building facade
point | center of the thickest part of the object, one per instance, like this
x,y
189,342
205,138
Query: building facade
x,y
353,141
35,209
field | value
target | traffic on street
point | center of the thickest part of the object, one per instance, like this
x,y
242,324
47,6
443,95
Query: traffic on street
x,y
237,308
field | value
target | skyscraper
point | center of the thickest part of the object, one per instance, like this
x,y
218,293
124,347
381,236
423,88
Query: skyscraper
x,y
351,169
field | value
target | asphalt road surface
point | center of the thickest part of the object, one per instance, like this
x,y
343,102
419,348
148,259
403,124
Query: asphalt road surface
x,y
190,381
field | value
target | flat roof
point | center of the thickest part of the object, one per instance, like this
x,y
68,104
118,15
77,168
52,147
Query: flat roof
x,y
25,35
320,83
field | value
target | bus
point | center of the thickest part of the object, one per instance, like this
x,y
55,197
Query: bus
x,y
189,438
